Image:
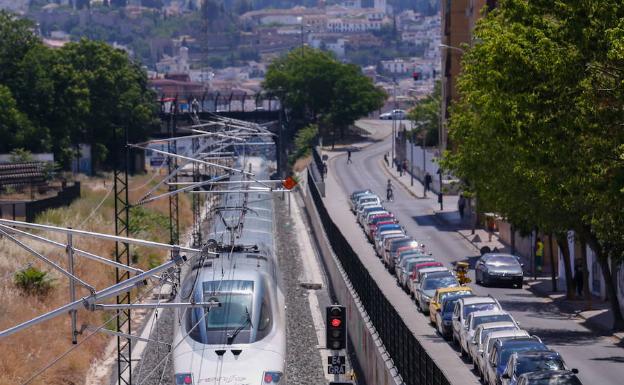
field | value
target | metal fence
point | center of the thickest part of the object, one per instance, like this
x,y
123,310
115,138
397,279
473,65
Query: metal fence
x,y
409,357
28,210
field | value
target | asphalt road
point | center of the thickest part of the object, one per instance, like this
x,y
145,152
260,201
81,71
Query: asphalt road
x,y
600,359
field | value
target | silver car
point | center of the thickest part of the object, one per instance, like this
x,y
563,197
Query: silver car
x,y
499,268
475,347
489,344
404,268
466,335
428,285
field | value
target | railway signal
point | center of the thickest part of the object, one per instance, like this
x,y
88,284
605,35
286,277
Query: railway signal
x,y
336,329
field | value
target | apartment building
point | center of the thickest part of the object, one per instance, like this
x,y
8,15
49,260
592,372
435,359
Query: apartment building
x,y
458,21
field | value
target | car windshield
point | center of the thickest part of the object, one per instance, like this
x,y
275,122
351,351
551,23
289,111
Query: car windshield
x,y
402,243
383,218
500,260
558,380
432,283
538,363
479,307
491,318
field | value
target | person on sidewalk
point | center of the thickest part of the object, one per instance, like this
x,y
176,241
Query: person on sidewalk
x,y
386,159
349,157
578,280
400,168
461,205
539,256
389,193
428,180
404,166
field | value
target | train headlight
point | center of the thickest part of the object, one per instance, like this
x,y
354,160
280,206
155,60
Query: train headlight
x,y
271,377
183,379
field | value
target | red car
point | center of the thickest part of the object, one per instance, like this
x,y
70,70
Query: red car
x,y
376,221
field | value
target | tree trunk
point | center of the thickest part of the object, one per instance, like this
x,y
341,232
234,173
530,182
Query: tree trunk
x,y
562,242
585,266
553,276
603,259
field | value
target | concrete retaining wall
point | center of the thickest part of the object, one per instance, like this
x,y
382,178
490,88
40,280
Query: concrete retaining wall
x,y
376,366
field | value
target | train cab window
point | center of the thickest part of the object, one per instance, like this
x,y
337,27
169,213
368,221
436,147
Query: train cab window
x,y
233,317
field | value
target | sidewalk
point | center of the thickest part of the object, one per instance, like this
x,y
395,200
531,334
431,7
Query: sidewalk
x,y
597,318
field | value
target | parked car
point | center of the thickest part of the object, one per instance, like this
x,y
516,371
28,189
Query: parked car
x,y
394,114
474,320
382,236
356,195
465,306
393,246
498,268
488,343
441,294
376,221
502,349
554,377
365,198
412,281
428,284
370,210
476,346
363,205
386,243
532,361
392,225
406,263
444,317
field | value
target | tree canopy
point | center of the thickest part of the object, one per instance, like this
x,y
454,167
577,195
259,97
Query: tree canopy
x,y
315,87
538,128
54,99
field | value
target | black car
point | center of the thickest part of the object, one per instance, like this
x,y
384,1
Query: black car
x,y
551,377
499,268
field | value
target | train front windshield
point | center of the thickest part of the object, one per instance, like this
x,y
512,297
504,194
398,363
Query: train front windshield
x,y
233,319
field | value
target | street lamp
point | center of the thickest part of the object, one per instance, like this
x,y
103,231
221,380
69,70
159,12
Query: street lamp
x,y
394,91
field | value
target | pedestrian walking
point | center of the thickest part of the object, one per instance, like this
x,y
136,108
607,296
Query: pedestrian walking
x,y
461,205
405,166
386,159
428,180
324,169
578,280
400,168
539,256
349,157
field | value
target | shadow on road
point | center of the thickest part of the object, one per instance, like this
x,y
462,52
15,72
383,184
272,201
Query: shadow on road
x,y
566,337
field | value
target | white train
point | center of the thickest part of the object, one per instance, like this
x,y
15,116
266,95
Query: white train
x,y
243,341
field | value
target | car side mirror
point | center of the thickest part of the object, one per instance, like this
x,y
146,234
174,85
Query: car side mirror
x,y
506,376
575,371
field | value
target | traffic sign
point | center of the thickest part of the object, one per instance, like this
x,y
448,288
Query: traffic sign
x,y
336,365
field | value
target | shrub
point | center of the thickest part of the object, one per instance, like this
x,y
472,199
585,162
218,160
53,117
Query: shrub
x,y
33,281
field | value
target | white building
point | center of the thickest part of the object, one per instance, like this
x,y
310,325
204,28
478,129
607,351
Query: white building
x,y
342,25
175,64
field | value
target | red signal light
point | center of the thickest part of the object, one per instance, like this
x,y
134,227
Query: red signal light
x,y
188,380
268,378
336,322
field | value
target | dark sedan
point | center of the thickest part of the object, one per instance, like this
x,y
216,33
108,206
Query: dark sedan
x,y
499,268
551,377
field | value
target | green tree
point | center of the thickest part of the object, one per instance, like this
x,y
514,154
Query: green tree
x,y
16,39
15,128
426,116
536,136
315,87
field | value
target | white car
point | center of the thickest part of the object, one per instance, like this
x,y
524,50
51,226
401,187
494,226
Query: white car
x,y
404,268
468,305
394,114
488,344
430,282
475,347
475,319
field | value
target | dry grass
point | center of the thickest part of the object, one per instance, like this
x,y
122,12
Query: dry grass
x,y
25,352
